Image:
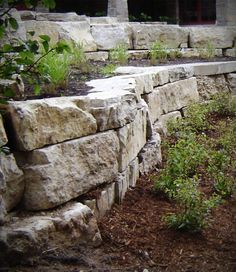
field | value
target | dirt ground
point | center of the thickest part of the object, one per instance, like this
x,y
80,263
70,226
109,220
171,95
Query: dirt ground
x,y
135,238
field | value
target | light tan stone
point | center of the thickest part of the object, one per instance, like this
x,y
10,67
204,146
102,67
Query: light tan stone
x,y
109,36
59,173
132,138
210,85
146,34
59,17
231,52
3,136
161,125
232,82
97,56
11,181
38,123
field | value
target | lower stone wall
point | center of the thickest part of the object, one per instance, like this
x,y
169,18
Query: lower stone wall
x,y
93,148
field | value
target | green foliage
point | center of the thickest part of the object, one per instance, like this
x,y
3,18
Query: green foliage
x,y
194,208
119,54
78,57
142,17
174,54
224,103
108,70
224,185
207,52
55,68
158,52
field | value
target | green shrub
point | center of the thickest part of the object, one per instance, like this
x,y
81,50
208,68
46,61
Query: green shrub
x,y
174,54
77,55
207,52
224,185
194,208
224,103
108,70
119,54
158,52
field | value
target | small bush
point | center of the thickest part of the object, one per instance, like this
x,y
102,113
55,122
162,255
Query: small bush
x,y
208,52
158,53
224,103
119,54
224,185
108,70
174,54
77,55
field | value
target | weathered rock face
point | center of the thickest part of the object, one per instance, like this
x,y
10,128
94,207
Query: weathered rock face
x,y
16,86
132,138
210,85
109,36
11,181
3,211
219,37
60,17
146,34
59,173
171,97
78,32
37,123
232,83
150,156
29,236
3,136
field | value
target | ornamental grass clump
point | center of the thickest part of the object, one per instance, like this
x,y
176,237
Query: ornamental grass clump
x,y
158,53
119,54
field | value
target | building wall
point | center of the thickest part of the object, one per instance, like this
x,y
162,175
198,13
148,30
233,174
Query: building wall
x,y
226,12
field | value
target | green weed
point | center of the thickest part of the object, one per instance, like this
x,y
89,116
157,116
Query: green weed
x,y
158,53
108,70
119,54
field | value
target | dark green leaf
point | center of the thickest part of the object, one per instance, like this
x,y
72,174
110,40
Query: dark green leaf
x,y
7,48
45,38
37,90
31,33
45,46
49,4
13,23
8,92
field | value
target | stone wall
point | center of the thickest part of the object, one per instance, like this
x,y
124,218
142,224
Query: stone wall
x,y
66,147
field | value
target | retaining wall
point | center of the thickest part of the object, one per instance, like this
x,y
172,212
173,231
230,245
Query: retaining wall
x,y
66,147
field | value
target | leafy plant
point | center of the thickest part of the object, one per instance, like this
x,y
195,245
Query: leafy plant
x,y
108,70
158,52
119,54
224,103
77,55
174,54
207,52
194,208
224,185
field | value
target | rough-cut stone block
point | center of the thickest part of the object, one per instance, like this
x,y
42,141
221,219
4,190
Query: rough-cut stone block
x,y
177,95
11,181
146,34
112,102
27,15
16,86
37,123
153,101
214,68
59,173
133,172
132,138
109,36
97,56
190,52
121,185
230,52
27,237
179,73
3,136
77,32
161,125
150,156
210,85
60,17
138,54
3,211
232,83
103,20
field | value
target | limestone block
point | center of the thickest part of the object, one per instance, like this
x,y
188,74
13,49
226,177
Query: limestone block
x,y
232,82
112,102
214,68
3,211
219,37
179,94
60,17
37,123
210,85
103,20
97,56
59,173
230,52
11,181
150,156
153,101
27,15
3,136
25,237
132,138
179,73
146,34
16,85
161,125
133,172
77,32
190,52
109,36
121,186
138,54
